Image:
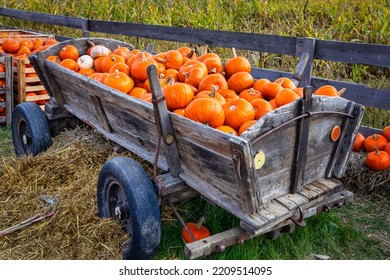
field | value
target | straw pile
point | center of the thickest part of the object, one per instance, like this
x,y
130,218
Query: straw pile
x,y
62,180
361,180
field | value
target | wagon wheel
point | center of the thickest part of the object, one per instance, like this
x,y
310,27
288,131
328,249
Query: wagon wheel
x,y
126,194
30,130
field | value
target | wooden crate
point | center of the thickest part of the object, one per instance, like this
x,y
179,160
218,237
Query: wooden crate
x,y
25,82
19,34
6,101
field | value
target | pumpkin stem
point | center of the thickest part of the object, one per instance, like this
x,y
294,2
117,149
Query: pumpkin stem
x,y
234,52
200,222
280,82
191,53
377,152
170,80
92,44
204,49
116,76
213,91
341,91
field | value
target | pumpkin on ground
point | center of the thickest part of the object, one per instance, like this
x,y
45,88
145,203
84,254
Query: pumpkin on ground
x,y
358,143
386,132
375,140
378,160
198,230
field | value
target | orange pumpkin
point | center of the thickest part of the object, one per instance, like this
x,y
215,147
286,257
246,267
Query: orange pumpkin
x,y
86,71
177,95
110,60
137,92
387,148
185,69
173,59
329,90
70,52
358,143
285,96
261,107
378,160
119,81
375,140
194,76
70,64
240,81
179,111
286,83
213,93
205,56
259,84
198,230
245,126
213,79
270,90
214,65
237,64
237,111
121,67
27,43
250,94
386,132
227,129
139,66
10,45
206,111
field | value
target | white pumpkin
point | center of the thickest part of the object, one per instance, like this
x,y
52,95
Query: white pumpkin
x,y
99,50
85,61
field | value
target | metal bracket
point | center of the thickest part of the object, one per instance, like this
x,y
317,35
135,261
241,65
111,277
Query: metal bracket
x,y
300,220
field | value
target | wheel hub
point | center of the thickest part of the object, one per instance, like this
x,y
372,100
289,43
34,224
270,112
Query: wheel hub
x,y
24,139
121,213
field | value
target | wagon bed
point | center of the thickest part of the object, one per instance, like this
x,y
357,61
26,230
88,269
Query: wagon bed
x,y
284,168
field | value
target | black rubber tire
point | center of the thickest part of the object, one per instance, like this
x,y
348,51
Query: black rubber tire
x,y
126,193
30,130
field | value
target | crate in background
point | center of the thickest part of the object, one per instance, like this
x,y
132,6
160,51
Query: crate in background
x,y
26,84
6,98
20,34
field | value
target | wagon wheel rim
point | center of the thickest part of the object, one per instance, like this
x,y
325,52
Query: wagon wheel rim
x,y
25,137
118,206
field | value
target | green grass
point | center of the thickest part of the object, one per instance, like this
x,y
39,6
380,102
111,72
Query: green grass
x,y
6,147
329,234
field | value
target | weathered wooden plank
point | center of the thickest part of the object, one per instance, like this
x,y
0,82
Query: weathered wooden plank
x,y
355,53
289,204
163,123
359,93
100,113
244,168
302,141
227,39
346,146
67,21
309,193
276,208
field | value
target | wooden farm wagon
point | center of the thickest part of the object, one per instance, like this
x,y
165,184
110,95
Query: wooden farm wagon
x,y
284,169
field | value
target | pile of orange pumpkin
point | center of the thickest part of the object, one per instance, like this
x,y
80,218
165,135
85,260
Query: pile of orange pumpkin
x,y
377,147
20,48
230,98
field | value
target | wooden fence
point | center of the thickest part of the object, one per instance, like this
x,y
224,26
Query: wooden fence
x,y
307,49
